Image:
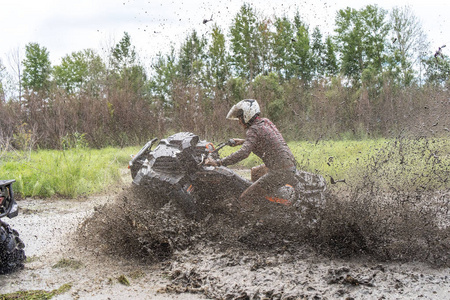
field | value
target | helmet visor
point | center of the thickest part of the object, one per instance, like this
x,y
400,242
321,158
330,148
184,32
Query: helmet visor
x,y
234,113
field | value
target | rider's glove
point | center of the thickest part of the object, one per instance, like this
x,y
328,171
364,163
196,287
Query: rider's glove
x,y
231,142
212,162
235,142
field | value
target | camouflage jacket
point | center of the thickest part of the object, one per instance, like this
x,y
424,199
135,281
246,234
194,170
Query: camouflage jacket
x,y
264,140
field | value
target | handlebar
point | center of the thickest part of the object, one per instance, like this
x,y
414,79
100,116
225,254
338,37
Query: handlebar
x,y
230,143
213,149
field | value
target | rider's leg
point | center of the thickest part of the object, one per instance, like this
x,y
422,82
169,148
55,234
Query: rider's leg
x,y
258,172
267,185
253,193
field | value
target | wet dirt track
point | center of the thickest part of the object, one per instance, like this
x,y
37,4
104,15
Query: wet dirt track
x,y
50,230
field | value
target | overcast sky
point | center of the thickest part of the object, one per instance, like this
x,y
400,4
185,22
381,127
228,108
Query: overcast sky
x,y
65,26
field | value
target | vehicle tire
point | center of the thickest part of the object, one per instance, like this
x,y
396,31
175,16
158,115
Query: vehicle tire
x,y
12,255
185,200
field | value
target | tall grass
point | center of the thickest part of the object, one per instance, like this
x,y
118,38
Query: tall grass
x,y
394,164
68,173
326,157
334,158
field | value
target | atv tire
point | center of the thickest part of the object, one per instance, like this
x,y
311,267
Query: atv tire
x,y
12,255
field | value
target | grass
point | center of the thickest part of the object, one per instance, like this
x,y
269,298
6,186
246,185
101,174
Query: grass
x,y
405,165
37,294
67,263
69,173
123,280
394,164
334,158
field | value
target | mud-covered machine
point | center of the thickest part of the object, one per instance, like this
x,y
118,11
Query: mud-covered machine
x,y
12,255
175,169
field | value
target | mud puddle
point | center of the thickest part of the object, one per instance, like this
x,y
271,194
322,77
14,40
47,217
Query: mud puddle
x,y
197,267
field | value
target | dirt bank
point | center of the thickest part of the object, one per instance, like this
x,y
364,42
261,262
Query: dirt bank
x,y
63,248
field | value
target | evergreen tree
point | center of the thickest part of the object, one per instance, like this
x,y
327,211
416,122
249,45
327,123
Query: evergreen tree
x,y
283,48
161,84
126,70
331,67
301,59
218,61
37,69
192,59
317,53
245,55
123,54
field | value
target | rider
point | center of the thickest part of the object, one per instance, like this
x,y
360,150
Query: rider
x,y
264,140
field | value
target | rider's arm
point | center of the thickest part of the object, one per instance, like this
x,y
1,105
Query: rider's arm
x,y
243,153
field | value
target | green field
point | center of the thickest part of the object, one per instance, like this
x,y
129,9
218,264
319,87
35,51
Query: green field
x,y
83,171
69,173
325,157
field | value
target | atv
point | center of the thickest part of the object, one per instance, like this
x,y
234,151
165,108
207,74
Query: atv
x,y
175,169
12,255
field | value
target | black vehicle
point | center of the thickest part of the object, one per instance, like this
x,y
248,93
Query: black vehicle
x,y
175,170
12,254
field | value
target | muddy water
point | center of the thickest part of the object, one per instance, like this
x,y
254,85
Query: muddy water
x,y
217,258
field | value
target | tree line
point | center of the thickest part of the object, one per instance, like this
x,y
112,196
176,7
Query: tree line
x,y
374,76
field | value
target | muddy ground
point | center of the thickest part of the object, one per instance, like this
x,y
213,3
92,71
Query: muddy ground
x,y
84,242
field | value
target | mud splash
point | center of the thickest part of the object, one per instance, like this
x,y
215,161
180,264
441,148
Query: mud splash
x,y
254,263
235,256
375,218
137,228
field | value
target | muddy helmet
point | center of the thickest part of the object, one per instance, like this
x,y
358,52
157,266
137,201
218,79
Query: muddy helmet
x,y
245,109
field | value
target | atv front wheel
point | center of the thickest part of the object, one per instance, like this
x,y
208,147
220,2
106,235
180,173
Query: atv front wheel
x,y
12,255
